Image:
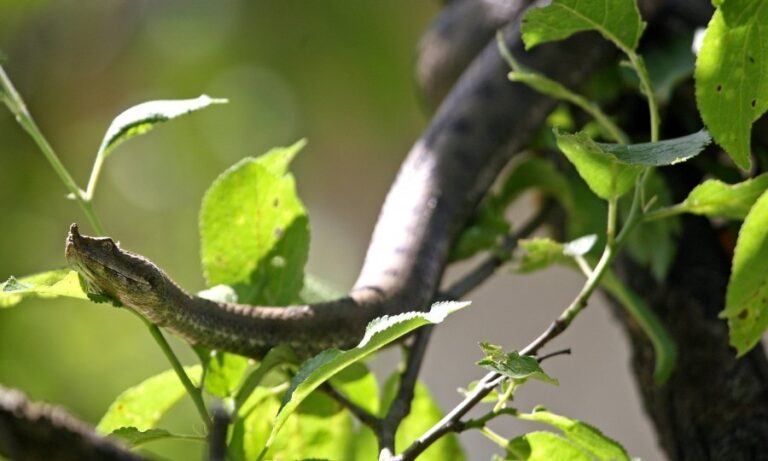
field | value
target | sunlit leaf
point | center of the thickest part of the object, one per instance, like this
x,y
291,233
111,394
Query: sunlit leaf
x,y
423,415
143,405
51,284
134,437
586,437
143,117
540,253
746,301
715,198
596,166
513,365
359,385
731,88
617,20
379,333
254,230
544,446
224,373
304,436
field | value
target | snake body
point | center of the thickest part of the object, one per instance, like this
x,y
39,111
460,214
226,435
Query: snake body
x,y
480,124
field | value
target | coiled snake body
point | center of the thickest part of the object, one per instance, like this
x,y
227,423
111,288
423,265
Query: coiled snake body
x,y
479,125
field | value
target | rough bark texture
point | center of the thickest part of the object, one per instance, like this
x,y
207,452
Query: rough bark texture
x,y
715,407
32,431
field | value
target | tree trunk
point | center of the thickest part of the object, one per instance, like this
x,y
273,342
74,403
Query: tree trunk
x,y
715,406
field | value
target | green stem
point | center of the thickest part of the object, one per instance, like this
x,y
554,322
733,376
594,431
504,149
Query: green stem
x,y
665,212
647,88
496,438
16,105
192,390
95,173
563,93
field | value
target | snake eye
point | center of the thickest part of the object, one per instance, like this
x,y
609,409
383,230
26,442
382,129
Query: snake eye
x,y
107,245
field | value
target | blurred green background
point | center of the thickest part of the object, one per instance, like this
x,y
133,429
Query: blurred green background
x,y
337,72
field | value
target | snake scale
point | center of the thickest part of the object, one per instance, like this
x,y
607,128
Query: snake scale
x,y
480,124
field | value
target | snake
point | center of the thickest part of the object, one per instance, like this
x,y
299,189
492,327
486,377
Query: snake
x,y
480,124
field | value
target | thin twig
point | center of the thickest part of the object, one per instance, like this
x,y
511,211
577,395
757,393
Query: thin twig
x,y
488,266
544,357
363,415
402,403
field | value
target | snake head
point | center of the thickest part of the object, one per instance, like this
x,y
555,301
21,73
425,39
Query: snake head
x,y
124,277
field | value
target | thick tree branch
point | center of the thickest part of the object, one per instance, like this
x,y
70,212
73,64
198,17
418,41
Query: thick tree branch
x,y
32,431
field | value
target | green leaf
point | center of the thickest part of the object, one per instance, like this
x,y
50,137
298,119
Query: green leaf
x,y
536,173
134,437
584,436
596,166
278,355
278,159
51,284
746,300
359,385
379,333
617,20
254,230
304,436
224,373
731,88
589,214
143,117
540,253
715,198
513,365
143,405
664,346
544,446
666,152
423,415
483,232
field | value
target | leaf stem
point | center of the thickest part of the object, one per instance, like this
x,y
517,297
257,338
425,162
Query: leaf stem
x,y
192,390
98,163
563,93
496,438
665,212
647,88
